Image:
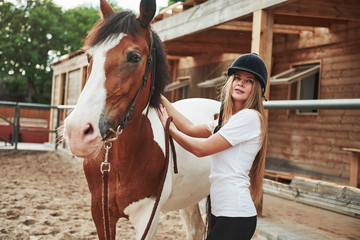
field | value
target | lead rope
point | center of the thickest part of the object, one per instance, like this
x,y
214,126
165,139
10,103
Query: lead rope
x,y
105,169
161,186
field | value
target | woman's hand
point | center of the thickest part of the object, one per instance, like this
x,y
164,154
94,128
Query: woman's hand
x,y
163,114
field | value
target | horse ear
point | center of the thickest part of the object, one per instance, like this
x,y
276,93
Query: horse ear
x,y
105,9
147,12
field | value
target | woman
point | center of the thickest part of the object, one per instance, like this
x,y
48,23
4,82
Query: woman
x,y
238,148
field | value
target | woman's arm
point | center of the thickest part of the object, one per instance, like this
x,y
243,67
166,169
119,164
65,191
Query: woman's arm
x,y
184,124
200,147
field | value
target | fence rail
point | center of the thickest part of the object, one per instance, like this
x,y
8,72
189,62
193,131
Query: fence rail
x,y
16,120
314,104
275,104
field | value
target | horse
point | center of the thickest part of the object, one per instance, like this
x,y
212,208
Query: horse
x,y
123,53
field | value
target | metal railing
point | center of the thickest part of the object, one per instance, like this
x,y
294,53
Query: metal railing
x,y
16,120
353,103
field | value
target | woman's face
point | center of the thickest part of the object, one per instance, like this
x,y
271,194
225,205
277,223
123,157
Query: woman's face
x,y
242,86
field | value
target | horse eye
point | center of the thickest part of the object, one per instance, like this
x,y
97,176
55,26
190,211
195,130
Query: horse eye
x,y
133,57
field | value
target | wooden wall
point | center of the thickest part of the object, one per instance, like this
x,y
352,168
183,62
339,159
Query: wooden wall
x,y
30,119
312,144
69,78
202,68
305,144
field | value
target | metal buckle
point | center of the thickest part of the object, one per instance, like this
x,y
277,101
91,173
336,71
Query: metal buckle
x,y
105,165
116,133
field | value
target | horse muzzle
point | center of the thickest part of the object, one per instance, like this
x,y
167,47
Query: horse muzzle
x,y
104,126
82,137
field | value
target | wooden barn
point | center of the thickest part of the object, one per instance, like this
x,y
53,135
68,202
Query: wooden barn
x,y
311,48
69,78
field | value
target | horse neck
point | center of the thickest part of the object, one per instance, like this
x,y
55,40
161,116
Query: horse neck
x,y
136,139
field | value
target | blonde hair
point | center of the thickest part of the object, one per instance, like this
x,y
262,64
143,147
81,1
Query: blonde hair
x,y
253,102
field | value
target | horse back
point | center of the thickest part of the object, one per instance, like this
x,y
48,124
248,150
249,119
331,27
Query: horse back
x,y
192,183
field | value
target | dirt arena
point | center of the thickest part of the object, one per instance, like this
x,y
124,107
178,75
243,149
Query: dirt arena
x,y
44,195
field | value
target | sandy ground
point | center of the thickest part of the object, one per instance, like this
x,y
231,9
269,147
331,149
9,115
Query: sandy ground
x,y
44,195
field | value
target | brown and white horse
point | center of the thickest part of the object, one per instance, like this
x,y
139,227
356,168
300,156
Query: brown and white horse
x,y
120,61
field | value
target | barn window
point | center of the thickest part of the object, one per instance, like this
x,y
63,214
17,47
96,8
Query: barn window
x,y
179,88
303,81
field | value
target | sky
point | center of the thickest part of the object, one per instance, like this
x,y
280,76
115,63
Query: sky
x,y
125,4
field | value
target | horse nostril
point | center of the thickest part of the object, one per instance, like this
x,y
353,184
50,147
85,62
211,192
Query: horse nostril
x,y
89,130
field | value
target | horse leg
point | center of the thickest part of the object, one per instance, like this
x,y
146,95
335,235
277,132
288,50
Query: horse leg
x,y
195,227
139,214
97,215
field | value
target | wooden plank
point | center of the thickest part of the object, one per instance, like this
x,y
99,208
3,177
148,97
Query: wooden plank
x,y
332,191
356,150
327,11
184,48
71,64
354,165
327,195
207,15
320,38
278,28
284,176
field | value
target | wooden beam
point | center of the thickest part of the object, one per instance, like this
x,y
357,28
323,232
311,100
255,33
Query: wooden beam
x,y
70,64
262,41
339,10
191,48
354,165
318,193
207,15
321,37
216,36
354,171
305,21
278,28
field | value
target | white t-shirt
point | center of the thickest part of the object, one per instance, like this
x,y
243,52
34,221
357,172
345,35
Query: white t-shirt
x,y
229,175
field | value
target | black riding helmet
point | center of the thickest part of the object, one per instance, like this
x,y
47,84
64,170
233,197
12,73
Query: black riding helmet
x,y
251,63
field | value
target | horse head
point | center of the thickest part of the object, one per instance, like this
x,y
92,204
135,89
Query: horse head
x,y
119,50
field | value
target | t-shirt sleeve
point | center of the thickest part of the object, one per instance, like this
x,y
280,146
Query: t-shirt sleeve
x,y
243,126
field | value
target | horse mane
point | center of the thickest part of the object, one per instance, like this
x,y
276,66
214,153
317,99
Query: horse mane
x,y
125,22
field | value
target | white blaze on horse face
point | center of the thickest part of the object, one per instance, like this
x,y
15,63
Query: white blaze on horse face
x,y
93,96
91,102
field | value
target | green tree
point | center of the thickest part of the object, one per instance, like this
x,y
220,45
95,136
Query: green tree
x,y
171,2
77,23
27,36
34,33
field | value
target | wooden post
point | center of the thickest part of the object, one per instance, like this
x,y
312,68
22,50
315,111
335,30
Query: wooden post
x,y
354,166
262,39
354,171
173,79
262,42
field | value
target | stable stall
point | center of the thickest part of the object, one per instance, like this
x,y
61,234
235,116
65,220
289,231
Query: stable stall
x,y
312,51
